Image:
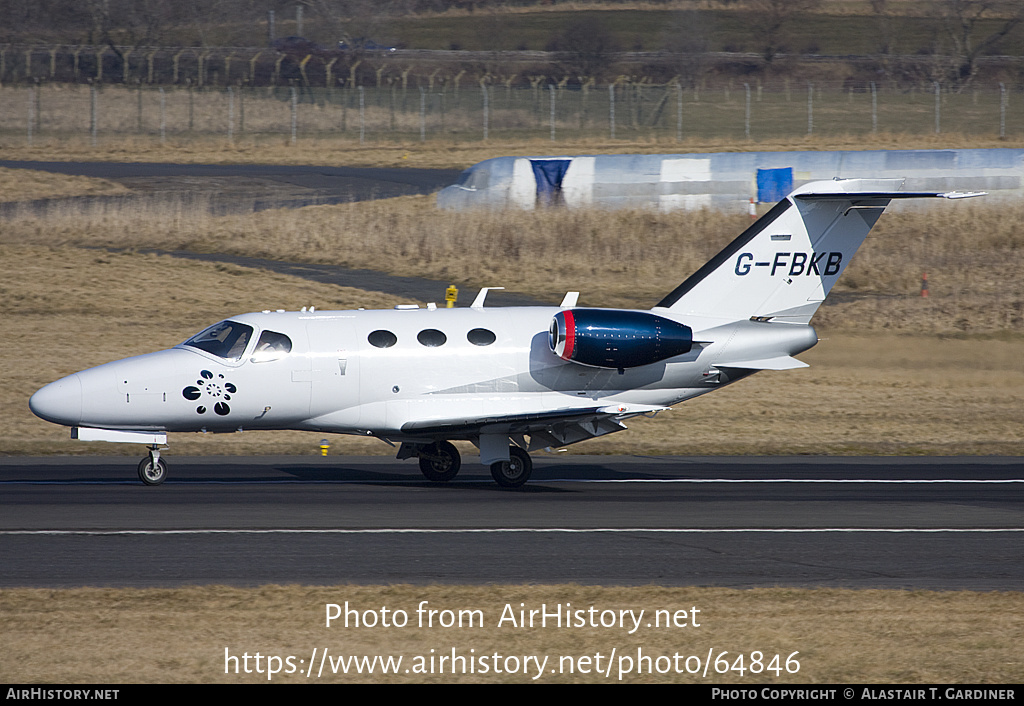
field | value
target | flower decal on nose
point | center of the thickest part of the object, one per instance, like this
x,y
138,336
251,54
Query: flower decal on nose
x,y
214,387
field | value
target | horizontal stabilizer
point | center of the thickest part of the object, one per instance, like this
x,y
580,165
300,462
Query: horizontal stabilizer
x,y
870,195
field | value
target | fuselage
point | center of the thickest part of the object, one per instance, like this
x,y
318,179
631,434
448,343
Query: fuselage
x,y
373,372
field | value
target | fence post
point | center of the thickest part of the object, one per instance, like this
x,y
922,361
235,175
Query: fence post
x,y
810,108
746,121
423,114
1002,111
362,116
231,114
551,92
31,112
874,109
92,114
679,112
163,116
487,109
611,108
938,97
295,114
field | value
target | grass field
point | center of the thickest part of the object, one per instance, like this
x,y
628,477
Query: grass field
x,y
28,184
839,27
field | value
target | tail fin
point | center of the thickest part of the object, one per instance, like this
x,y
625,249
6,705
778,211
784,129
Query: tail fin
x,y
785,264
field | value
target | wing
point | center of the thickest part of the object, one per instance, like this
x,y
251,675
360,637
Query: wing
x,y
559,427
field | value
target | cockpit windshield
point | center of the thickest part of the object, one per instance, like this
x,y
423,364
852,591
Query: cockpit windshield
x,y
227,340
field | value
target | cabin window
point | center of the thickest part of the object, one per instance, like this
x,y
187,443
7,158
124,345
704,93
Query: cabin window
x,y
382,339
431,338
227,340
271,346
480,337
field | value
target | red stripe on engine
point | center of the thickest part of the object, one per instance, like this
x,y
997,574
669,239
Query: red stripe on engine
x,y
570,335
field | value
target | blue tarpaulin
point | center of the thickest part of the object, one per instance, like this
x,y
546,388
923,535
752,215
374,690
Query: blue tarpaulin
x,y
774,184
549,174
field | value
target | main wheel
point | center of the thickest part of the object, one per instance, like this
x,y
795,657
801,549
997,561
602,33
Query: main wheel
x,y
440,462
152,473
513,472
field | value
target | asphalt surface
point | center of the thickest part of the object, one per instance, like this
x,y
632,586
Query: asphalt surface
x,y
233,188
912,523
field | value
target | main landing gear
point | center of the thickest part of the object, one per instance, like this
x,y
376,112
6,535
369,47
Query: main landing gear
x,y
440,462
153,469
515,471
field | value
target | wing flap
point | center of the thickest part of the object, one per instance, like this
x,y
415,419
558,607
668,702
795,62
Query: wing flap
x,y
558,427
783,362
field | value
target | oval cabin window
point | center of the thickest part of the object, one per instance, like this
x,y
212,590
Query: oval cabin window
x,y
382,339
481,337
431,338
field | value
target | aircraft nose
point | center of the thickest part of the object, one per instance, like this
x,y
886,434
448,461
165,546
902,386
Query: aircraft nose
x,y
59,402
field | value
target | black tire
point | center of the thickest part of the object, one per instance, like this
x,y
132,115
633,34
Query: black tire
x,y
440,462
151,474
514,472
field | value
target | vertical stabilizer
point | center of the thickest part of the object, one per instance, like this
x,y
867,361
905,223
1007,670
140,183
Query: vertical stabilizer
x,y
786,263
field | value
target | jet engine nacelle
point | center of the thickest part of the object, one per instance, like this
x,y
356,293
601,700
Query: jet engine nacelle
x,y
608,338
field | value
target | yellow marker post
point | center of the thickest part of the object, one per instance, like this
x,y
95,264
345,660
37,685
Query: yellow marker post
x,y
450,295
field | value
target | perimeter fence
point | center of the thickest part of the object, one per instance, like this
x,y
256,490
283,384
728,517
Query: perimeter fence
x,y
626,111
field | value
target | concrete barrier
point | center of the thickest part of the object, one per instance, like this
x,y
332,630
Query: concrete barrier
x,y
723,181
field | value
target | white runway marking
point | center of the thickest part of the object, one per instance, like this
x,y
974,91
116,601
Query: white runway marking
x,y
536,481
528,530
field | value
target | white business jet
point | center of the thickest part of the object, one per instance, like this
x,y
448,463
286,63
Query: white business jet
x,y
509,380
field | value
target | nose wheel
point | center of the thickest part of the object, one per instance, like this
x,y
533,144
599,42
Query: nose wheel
x,y
515,471
153,469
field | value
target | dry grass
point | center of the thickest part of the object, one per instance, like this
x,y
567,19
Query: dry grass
x,y
107,636
971,252
28,184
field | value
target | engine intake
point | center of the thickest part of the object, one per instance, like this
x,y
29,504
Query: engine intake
x,y
610,338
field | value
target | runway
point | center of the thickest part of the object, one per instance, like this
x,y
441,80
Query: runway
x,y
913,523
